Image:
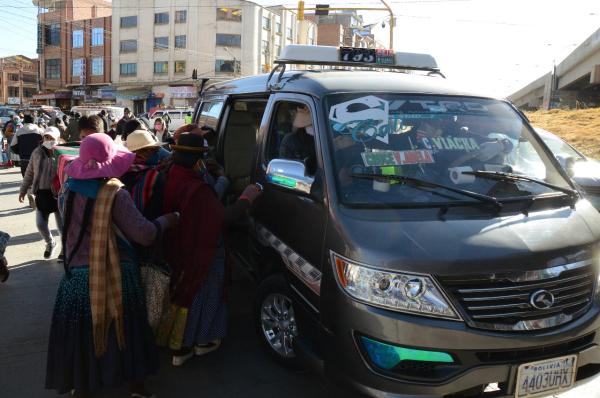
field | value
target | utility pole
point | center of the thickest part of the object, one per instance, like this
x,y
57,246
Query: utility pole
x,y
392,23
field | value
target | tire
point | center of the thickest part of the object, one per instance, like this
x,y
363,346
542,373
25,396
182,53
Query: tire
x,y
275,320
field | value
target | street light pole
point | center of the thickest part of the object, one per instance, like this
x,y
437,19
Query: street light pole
x,y
391,23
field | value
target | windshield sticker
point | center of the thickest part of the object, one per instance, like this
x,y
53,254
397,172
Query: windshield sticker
x,y
448,143
396,158
363,118
455,107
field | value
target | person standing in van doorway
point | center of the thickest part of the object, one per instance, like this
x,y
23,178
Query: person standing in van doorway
x,y
197,318
38,177
188,118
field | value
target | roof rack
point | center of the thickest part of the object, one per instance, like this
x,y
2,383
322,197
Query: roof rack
x,y
296,54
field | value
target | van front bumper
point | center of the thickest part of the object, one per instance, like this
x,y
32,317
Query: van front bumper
x,y
480,357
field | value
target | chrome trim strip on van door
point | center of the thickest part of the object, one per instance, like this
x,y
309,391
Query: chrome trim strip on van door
x,y
305,271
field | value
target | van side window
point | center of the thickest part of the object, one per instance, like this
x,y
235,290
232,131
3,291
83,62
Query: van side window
x,y
209,114
292,134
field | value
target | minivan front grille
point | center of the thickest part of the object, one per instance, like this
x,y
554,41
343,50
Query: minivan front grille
x,y
528,301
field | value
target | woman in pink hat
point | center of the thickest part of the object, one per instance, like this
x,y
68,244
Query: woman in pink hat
x,y
100,335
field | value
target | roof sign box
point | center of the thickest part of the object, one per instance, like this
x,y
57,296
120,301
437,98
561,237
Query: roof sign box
x,y
348,56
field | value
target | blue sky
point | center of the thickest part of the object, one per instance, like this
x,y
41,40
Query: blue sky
x,y
492,46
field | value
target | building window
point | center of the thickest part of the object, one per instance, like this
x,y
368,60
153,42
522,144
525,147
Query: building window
x,y
13,92
52,34
229,40
97,37
128,69
266,23
52,69
180,41
226,66
290,33
160,68
161,18
77,67
179,66
265,47
77,38
128,46
98,66
181,16
13,77
229,14
129,22
29,78
161,43
277,50
28,92
278,27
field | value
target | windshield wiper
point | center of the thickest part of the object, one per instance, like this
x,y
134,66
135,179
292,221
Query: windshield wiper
x,y
416,182
502,176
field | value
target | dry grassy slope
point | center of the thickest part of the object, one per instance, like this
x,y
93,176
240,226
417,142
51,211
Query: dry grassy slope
x,y
580,128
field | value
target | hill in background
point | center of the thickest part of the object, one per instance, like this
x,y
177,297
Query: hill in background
x,y
579,127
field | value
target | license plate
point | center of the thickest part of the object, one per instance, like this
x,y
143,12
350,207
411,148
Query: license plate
x,y
546,377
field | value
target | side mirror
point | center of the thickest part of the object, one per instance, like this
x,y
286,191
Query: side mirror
x,y
289,174
567,163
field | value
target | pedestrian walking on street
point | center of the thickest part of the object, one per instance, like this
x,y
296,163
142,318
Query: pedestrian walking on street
x,y
161,133
72,132
90,125
38,178
25,140
100,335
127,116
4,273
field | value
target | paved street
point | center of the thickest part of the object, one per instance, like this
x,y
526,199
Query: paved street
x,y
239,369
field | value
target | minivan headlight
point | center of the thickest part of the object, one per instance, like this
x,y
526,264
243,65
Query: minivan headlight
x,y
399,291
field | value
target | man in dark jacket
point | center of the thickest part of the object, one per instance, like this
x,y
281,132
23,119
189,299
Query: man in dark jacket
x,y
72,132
127,116
26,139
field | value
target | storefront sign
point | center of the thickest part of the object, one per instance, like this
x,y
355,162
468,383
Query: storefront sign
x,y
78,93
183,92
108,93
14,100
50,96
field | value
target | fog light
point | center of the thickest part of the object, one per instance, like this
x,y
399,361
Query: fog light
x,y
388,356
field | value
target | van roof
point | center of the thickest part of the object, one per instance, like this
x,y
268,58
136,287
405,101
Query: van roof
x,y
323,82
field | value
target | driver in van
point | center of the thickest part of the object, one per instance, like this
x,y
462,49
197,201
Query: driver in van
x,y
300,143
453,146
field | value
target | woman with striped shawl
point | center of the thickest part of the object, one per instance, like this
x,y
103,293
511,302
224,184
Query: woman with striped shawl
x,y
100,335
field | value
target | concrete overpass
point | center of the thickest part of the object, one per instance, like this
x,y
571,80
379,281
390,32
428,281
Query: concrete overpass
x,y
574,81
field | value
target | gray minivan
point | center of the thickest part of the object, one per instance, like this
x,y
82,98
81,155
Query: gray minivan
x,y
412,239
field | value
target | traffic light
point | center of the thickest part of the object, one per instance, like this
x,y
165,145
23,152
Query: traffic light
x,y
322,9
300,10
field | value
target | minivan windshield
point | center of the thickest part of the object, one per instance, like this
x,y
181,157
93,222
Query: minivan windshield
x,y
468,144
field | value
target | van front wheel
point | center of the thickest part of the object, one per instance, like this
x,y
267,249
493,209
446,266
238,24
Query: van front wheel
x,y
276,320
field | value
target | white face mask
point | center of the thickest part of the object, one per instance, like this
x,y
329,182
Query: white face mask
x,y
49,144
310,130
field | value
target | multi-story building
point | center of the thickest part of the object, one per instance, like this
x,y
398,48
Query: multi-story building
x,y
74,45
155,49
280,27
18,80
343,28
